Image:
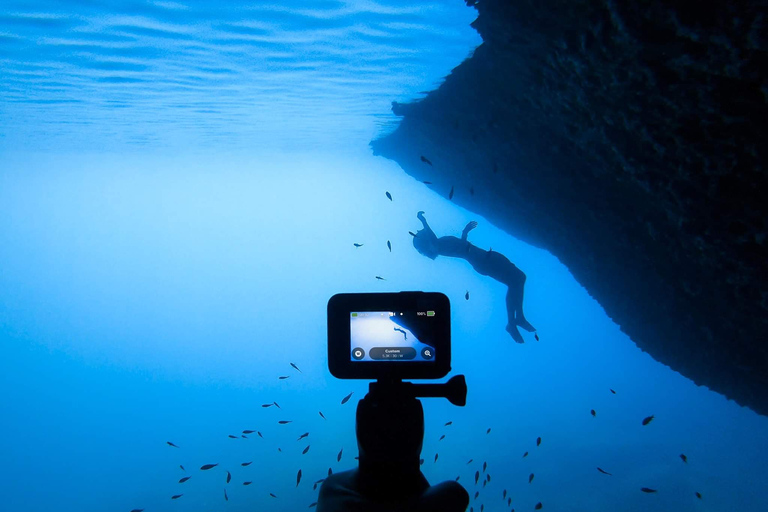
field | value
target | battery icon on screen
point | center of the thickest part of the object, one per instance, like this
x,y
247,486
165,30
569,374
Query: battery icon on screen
x,y
430,313
354,314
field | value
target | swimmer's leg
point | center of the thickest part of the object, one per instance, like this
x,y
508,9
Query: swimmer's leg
x,y
515,296
511,320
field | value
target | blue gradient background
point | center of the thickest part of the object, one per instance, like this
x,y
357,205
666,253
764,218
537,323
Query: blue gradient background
x,y
180,189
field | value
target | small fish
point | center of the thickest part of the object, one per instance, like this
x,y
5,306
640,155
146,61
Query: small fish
x,y
182,467
647,420
470,461
380,278
456,479
276,405
477,493
488,431
441,437
305,450
648,490
482,507
698,495
321,415
138,510
421,462
272,495
358,245
530,478
226,498
302,436
248,431
278,449
450,194
313,504
427,182
171,444
525,454
604,471
389,245
182,480
612,391
485,466
346,398
285,422
330,471
425,160
538,441
176,496
283,377
509,503
296,367
485,482
477,477
244,464
684,458
488,477
389,196
448,423
244,436
229,477
206,467
536,336
261,436
436,457
267,405
537,506
592,412
338,457
232,437
298,475
247,483
466,295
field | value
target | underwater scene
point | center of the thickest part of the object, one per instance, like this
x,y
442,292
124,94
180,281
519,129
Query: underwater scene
x,y
185,185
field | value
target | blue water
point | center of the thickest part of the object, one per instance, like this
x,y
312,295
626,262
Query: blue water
x,y
180,189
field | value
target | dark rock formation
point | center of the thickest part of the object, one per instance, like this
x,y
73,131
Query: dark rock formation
x,y
630,140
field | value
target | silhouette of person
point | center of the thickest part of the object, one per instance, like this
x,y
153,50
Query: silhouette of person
x,y
487,263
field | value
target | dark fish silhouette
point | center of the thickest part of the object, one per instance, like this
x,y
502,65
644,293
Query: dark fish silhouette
x,y
441,437
592,412
302,436
530,478
485,466
278,449
232,437
226,498
604,471
389,245
450,194
330,471
276,405
470,461
176,496
272,495
536,336
421,462
305,450
477,477
485,482
648,490
313,504
436,457
338,457
138,510
346,398
389,196
538,441
283,377
647,420
206,467
457,479
247,483
182,480
261,436
380,278
477,493
248,431
504,495
525,454
298,475
246,463
509,503
488,477
285,422
267,405
488,431
171,444
684,458
244,436
358,245
229,477
321,415
482,507
466,295
448,423
182,467
698,495
427,182
612,391
296,367
537,506
425,160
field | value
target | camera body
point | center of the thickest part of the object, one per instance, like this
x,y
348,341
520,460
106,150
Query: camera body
x,y
389,336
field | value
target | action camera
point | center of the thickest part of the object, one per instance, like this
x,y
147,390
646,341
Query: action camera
x,y
389,336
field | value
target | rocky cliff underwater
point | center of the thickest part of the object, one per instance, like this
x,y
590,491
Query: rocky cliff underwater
x,y
628,140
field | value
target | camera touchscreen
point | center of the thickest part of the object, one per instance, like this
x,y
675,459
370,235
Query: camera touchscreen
x,y
392,335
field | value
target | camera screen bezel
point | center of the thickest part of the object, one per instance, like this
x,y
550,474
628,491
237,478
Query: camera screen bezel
x,y
341,305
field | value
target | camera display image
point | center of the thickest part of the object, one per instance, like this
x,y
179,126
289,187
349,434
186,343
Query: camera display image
x,y
391,335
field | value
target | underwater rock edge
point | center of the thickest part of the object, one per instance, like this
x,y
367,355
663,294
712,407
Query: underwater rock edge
x,y
626,140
